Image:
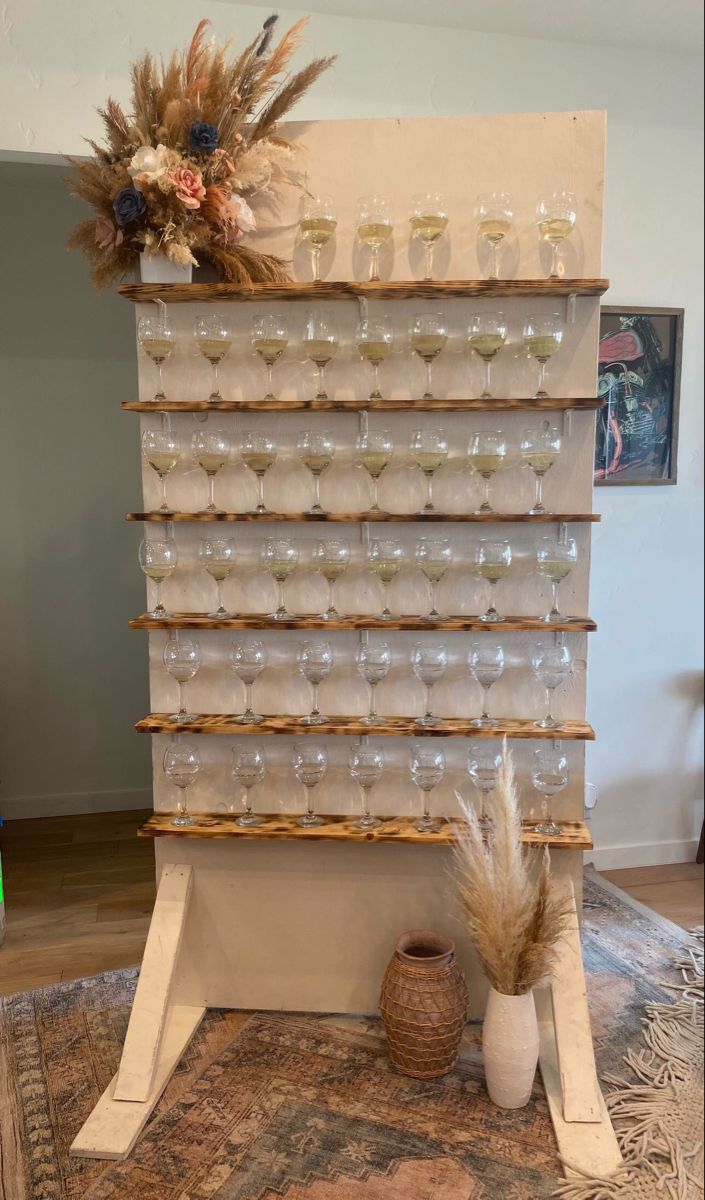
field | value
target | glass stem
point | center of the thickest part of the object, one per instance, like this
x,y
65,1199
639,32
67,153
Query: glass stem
x,y
316,263
315,711
317,490
158,583
248,803
162,480
211,491
374,264
160,394
375,493
181,808
321,389
270,385
260,482
426,805
494,262
331,606
182,704
429,701
282,607
248,700
487,394
375,391
215,394
373,700
549,704
538,501
219,587
309,801
434,606
366,801
542,378
554,260
492,605
554,586
429,379
428,260
486,481
429,502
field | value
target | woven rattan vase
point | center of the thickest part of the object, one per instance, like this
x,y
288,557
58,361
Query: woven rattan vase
x,y
424,1005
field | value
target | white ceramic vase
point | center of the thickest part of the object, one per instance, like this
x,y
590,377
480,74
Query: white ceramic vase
x,y
157,268
510,1043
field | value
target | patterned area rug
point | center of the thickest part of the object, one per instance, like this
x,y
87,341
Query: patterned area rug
x,y
280,1107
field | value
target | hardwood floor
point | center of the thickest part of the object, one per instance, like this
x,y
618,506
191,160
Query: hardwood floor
x,y
79,892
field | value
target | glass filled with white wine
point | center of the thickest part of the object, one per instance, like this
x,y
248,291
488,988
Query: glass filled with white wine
x,y
280,556
374,450
211,449
270,338
159,559
161,449
543,335
317,226
213,337
316,449
549,777
385,557
259,453
487,454
555,560
217,556
320,342
434,557
493,560
429,450
486,663
375,339
540,449
332,558
374,228
429,220
428,334
158,339
494,213
555,221
487,333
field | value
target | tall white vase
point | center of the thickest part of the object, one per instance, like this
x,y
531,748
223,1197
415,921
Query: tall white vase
x,y
510,1043
157,268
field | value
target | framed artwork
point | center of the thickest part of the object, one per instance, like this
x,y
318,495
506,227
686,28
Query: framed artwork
x,y
639,379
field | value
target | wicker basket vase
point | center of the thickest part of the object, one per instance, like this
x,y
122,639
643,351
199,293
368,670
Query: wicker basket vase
x,y
424,1005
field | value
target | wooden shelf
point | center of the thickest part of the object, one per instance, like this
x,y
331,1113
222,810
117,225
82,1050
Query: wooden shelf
x,y
410,624
227,723
390,518
575,836
393,289
453,404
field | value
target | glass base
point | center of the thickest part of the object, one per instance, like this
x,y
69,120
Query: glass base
x,y
314,719
492,616
372,720
332,614
434,616
321,396
249,718
484,510
386,615
316,511
484,723
548,723
281,616
427,825
538,510
368,823
375,394
158,613
213,510
183,821
548,829
249,821
542,394
554,617
487,395
165,510
310,821
429,720
183,718
220,614
262,510
214,397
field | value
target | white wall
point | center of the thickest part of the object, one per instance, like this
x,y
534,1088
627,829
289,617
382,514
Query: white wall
x,y
646,661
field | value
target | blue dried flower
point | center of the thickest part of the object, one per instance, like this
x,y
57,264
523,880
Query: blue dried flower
x,y
204,138
129,205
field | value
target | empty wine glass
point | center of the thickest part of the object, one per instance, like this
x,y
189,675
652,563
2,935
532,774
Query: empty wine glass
x,y
158,559
213,337
374,451
217,556
427,766
494,214
211,450
366,768
429,450
332,557
248,660
320,342
161,449
315,662
374,228
182,659
487,454
484,765
385,557
551,665
555,560
428,219
543,334
316,451
487,333
374,662
182,766
549,777
310,767
429,664
555,221
492,562
270,339
540,448
375,340
434,556
280,556
157,338
317,226
259,453
249,768
486,665
428,334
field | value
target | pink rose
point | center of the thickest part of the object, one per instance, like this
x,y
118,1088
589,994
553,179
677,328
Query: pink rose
x,y
107,235
189,186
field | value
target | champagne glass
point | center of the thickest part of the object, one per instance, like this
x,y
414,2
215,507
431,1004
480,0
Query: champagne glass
x,y
374,451
375,340
310,767
258,453
249,768
486,665
428,334
555,221
332,557
427,766
374,662
487,333
248,660
429,450
315,662
316,451
213,337
161,449
428,219
158,559
280,556
539,449
549,777
429,664
386,558
317,226
492,562
374,228
320,342
211,450
543,334
484,765
270,339
217,556
551,666
157,338
487,453
555,560
182,659
366,768
434,556
182,766
494,214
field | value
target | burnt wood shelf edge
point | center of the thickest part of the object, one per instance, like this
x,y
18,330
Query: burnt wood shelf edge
x,y
394,289
517,404
372,518
227,723
410,624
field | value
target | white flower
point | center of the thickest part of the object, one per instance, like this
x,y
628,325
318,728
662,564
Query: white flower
x,y
148,165
244,216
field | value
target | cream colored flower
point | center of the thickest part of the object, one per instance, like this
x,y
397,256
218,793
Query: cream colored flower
x,y
244,216
148,165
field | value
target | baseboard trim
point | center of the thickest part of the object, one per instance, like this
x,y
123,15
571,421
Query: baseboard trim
x,y
645,854
18,808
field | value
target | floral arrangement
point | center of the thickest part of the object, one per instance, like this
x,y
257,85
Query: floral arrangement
x,y
174,176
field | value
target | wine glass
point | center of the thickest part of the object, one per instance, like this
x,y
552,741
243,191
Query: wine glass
x,y
487,453
259,453
182,766
213,337
315,662
217,556
270,339
316,451
157,338
182,659
539,449
317,226
494,214
375,340
427,766
374,662
249,768
486,665
484,765
248,660
161,449
280,556
492,562
551,666
310,767
434,556
429,664
158,559
428,334
543,334
429,450
549,777
320,342
211,450
555,560
374,228
487,333
428,219
366,768
386,558
374,451
555,221
332,557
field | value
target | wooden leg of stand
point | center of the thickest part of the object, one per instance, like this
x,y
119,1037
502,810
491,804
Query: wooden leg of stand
x,y
582,1098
